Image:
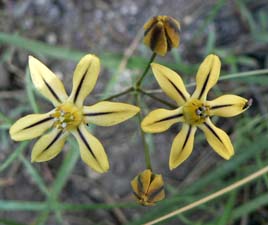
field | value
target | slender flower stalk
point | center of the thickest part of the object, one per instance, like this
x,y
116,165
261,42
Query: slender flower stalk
x,y
145,144
138,83
70,116
194,111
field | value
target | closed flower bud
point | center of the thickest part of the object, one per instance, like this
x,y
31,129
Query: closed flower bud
x,y
148,188
161,34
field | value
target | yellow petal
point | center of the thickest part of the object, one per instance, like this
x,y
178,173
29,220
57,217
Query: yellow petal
x,y
156,39
46,82
30,126
85,76
160,120
171,83
48,146
109,113
217,139
228,105
182,146
91,150
172,27
207,76
144,180
156,189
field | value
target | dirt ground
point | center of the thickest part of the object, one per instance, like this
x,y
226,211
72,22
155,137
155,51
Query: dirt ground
x,y
98,26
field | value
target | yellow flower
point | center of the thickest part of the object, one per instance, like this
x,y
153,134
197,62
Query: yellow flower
x,y
69,114
148,188
194,111
161,34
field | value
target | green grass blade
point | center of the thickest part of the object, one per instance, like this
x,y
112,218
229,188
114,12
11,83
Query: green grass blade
x,y
40,48
94,206
228,209
14,155
22,206
65,170
34,175
251,206
10,222
42,218
30,92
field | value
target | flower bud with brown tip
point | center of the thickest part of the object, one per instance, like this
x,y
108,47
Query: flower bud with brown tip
x,y
148,188
161,34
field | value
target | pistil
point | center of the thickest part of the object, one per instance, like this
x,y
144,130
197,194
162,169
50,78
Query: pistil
x,y
195,111
66,117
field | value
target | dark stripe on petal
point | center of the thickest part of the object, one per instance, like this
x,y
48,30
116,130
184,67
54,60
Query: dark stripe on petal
x,y
173,25
220,106
86,143
140,185
152,178
187,137
170,117
79,87
204,86
178,90
156,34
149,28
52,91
152,195
53,141
80,84
169,41
136,195
213,131
38,122
97,113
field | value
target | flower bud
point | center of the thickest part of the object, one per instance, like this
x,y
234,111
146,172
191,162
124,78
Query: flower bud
x,y
161,34
148,188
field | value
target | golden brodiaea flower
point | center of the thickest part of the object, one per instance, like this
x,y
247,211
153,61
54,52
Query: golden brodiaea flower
x,y
148,188
161,34
69,114
194,110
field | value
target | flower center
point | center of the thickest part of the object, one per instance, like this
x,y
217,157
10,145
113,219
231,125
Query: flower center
x,y
67,116
195,112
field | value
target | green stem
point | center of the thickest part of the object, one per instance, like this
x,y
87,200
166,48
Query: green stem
x,y
158,99
138,84
145,145
126,91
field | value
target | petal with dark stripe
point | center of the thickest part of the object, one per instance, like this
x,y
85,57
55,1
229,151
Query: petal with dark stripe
x,y
85,76
149,25
109,113
30,126
160,120
156,190
91,150
228,105
172,28
207,76
217,139
156,39
171,83
46,82
182,146
48,146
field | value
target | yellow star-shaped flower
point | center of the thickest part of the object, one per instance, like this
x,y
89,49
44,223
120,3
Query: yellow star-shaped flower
x,y
69,114
194,110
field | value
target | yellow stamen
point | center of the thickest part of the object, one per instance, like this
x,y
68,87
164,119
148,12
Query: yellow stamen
x,y
67,116
195,112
